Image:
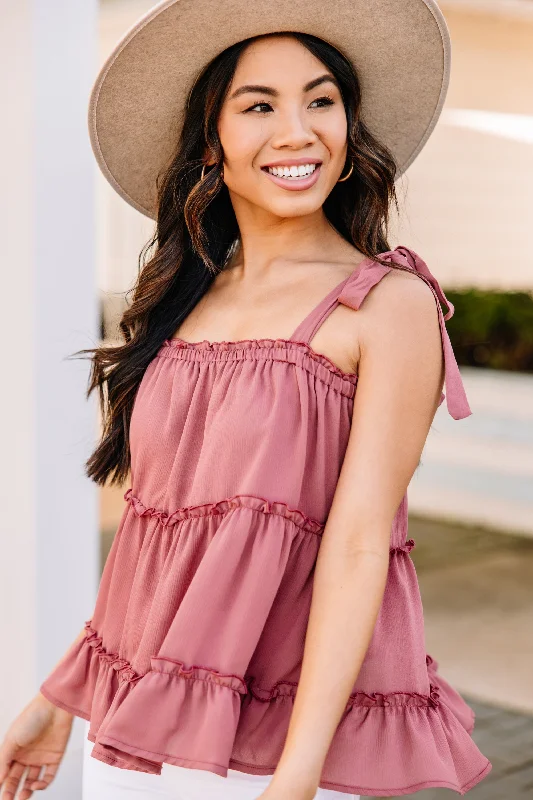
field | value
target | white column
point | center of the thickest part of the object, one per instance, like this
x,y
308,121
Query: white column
x,y
49,564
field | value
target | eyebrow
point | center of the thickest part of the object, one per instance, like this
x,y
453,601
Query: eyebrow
x,y
258,89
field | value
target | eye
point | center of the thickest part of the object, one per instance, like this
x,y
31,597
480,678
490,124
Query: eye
x,y
326,100
257,105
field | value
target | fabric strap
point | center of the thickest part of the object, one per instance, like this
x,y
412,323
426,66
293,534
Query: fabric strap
x,y
352,291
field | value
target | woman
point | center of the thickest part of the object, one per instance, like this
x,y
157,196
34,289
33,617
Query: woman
x,y
258,628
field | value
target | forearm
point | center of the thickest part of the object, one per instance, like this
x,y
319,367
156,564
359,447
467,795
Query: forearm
x,y
347,594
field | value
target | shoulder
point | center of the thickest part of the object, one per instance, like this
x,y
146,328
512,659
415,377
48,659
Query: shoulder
x,y
400,320
401,296
398,309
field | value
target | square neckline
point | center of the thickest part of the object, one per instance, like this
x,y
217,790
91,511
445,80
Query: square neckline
x,y
291,340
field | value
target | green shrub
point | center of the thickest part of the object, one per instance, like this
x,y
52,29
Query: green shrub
x,y
492,329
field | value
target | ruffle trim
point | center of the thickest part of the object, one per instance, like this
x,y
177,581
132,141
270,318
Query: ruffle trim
x,y
451,697
177,669
206,350
125,672
364,699
227,721
406,547
252,502
245,685
168,666
294,515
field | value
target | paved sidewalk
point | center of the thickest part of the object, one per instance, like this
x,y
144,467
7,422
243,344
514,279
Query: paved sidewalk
x,y
479,470
506,738
477,594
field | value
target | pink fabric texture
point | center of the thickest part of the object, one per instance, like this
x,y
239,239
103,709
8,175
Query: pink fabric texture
x,y
193,653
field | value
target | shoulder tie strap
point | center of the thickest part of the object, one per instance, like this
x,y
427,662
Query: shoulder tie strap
x,y
354,292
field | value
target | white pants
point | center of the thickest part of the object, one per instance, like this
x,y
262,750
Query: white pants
x,y
103,782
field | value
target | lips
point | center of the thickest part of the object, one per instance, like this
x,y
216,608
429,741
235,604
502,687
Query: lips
x,y
304,174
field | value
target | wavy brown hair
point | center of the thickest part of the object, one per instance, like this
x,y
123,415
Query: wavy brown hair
x,y
196,232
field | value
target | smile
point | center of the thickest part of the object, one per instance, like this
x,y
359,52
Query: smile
x,y
293,172
294,176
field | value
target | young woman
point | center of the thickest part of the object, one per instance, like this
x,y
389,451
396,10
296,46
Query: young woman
x,y
258,629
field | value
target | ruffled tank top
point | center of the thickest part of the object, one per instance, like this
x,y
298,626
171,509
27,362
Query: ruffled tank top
x,y
193,652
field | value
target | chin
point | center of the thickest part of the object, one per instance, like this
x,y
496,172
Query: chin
x,y
293,207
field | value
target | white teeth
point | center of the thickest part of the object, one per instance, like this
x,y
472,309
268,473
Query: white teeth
x,y
294,172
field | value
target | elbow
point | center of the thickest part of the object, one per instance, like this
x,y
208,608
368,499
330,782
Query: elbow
x,y
364,554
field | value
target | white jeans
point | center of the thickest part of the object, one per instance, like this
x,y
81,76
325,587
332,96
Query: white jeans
x,y
103,782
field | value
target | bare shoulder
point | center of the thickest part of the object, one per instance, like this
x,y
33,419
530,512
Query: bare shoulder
x,y
400,322
401,299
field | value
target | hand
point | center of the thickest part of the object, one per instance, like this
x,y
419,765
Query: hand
x,y
37,737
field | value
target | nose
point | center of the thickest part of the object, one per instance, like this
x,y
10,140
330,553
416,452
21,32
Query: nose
x,y
292,131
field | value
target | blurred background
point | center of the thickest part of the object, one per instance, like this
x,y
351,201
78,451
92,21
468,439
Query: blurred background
x,y
71,248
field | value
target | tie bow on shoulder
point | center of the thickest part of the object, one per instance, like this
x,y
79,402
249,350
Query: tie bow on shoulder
x,y
370,272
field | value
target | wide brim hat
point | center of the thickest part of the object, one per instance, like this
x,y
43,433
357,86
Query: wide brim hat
x,y
400,49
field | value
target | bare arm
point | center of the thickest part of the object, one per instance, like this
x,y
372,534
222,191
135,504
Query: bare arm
x,y
36,739
400,380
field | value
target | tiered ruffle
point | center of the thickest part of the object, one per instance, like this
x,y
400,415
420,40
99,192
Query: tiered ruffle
x,y
195,716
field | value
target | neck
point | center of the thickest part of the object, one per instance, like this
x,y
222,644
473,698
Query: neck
x,y
268,242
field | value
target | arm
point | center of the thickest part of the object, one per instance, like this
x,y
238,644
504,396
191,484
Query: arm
x,y
36,738
400,381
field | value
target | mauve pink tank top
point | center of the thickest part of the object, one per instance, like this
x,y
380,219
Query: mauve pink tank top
x,y
193,652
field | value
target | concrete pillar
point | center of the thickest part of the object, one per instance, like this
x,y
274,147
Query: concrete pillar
x,y
49,563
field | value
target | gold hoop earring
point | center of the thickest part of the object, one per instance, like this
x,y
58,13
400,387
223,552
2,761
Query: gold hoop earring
x,y
202,175
341,180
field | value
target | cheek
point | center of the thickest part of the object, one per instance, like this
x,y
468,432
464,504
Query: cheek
x,y
241,140
333,131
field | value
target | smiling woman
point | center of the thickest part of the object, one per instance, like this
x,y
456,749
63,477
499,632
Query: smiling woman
x,y
294,120
258,630
303,171
256,120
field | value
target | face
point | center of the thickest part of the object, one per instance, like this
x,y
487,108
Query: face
x,y
283,111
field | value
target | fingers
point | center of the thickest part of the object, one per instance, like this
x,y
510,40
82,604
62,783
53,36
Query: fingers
x,y
11,782
32,781
26,790
7,754
45,780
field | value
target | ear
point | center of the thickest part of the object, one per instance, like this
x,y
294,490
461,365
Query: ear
x,y
208,158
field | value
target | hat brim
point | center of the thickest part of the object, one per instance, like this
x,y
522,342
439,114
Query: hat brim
x,y
400,48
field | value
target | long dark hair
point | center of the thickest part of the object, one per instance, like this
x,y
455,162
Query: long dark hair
x,y
196,232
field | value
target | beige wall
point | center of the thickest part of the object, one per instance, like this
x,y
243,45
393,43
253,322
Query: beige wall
x,y
492,64
470,193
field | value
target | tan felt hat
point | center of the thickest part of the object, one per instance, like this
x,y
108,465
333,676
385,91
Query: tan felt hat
x,y
400,48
